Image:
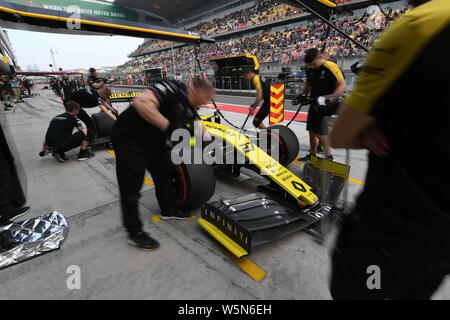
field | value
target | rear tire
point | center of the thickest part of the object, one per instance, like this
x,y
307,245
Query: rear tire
x,y
288,141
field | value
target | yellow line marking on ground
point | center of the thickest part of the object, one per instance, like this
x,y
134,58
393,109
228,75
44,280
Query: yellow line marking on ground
x,y
157,218
247,265
147,181
111,152
349,179
356,181
299,163
192,217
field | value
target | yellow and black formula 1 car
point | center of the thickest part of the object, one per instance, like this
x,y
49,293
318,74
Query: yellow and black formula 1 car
x,y
284,206
287,204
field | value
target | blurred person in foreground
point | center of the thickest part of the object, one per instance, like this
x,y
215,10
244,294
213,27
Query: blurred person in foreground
x,y
396,242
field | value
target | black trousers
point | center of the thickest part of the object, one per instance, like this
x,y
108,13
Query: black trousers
x,y
87,120
131,162
407,270
262,113
72,142
6,186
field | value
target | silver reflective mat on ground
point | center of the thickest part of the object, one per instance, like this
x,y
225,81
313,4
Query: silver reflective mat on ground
x,y
20,241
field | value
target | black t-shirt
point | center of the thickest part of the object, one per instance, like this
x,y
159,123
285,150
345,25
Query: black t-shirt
x,y
173,105
86,99
323,80
406,193
61,128
67,86
92,79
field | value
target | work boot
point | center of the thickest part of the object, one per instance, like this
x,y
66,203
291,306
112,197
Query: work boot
x,y
59,156
144,241
175,215
84,155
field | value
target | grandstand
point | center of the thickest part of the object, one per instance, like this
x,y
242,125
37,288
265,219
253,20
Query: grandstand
x,y
275,32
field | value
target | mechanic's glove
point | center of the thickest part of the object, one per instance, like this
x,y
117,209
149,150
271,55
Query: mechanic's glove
x,y
321,101
303,97
181,124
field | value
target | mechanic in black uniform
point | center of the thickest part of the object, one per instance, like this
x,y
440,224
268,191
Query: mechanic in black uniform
x,y
262,94
396,242
60,137
139,138
94,81
54,83
87,100
323,78
67,86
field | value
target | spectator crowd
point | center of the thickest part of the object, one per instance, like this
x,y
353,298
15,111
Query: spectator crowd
x,y
263,12
282,46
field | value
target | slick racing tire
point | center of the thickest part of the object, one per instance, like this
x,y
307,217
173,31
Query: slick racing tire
x,y
288,142
195,184
103,124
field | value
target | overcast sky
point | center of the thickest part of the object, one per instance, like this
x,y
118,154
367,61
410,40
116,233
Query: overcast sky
x,y
73,51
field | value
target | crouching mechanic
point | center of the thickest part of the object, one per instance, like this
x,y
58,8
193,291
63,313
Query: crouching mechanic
x,y
139,138
262,94
60,137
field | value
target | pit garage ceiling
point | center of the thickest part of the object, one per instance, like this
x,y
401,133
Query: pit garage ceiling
x,y
173,10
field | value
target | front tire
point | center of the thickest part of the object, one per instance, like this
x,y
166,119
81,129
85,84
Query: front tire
x,y
103,124
288,143
195,184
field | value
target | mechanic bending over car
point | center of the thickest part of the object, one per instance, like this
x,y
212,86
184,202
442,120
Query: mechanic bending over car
x,y
401,221
262,94
60,137
323,77
139,138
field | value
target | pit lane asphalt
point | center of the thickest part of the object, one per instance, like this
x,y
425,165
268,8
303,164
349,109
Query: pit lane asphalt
x,y
189,264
